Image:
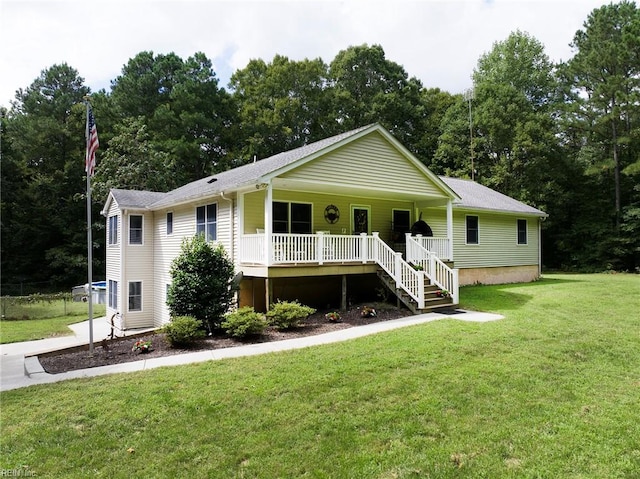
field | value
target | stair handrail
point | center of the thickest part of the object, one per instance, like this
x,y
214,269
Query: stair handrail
x,y
404,275
434,268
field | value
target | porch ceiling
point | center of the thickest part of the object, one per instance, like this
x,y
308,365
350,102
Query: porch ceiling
x,y
359,192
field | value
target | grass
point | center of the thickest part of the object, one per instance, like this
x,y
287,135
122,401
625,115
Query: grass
x,y
48,321
550,391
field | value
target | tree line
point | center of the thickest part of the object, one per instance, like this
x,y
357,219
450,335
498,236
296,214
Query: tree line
x,y
563,137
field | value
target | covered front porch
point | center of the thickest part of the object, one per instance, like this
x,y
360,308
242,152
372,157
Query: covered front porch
x,y
417,277
281,249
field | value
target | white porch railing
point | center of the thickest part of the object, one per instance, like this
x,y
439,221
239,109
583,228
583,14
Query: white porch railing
x,y
439,246
326,248
438,272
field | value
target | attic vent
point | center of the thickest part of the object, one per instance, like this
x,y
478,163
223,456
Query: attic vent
x,y
212,180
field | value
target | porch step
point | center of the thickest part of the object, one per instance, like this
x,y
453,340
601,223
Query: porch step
x,y
431,299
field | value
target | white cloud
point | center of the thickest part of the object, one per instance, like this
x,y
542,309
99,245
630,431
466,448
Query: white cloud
x,y
438,42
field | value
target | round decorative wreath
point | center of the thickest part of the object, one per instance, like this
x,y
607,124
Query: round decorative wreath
x,y
331,214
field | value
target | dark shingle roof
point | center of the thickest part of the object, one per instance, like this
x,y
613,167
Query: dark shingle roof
x,y
478,197
472,194
136,199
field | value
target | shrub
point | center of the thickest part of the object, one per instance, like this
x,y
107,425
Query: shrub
x,y
244,322
183,330
288,314
201,277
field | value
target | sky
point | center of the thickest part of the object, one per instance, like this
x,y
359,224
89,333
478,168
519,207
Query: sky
x,y
437,41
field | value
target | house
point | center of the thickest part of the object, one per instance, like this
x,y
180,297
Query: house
x,y
323,223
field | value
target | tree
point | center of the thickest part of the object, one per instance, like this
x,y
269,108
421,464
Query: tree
x,y
187,115
282,105
132,162
368,88
603,121
604,76
44,216
201,282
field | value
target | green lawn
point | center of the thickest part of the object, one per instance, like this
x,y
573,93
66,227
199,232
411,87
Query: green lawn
x,y
552,391
47,320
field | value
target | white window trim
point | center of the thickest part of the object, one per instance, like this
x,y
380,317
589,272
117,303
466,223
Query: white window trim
x,y
167,222
360,207
141,230
110,292
466,230
526,232
110,220
195,217
141,297
289,203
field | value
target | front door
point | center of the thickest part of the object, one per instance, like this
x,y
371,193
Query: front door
x,y
360,219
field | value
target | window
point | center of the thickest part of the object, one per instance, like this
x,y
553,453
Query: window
x,y
169,223
280,217
401,221
207,221
113,294
522,231
112,228
473,236
291,217
135,229
135,296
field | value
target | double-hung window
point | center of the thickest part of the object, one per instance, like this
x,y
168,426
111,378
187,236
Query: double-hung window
x,y
113,294
291,217
473,232
135,229
135,295
169,223
112,230
207,221
522,231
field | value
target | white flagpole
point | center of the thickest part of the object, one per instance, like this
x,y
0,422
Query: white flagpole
x,y
89,239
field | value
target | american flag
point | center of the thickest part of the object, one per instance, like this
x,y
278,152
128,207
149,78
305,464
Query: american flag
x,y
92,144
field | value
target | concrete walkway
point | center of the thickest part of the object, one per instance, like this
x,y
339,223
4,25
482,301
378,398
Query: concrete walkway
x,y
17,372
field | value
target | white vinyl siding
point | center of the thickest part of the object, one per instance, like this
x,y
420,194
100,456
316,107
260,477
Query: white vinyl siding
x,y
113,256
167,248
498,243
369,163
138,263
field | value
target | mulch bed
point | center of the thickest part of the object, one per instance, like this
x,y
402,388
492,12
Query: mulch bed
x,y
120,350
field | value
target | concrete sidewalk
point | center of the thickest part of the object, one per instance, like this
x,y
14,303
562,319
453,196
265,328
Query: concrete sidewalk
x,y
16,372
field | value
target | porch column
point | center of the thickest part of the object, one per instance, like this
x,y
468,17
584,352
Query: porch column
x,y
450,227
343,295
268,213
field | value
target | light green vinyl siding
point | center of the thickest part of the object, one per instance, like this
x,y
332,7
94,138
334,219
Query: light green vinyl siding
x,y
370,162
498,238
381,211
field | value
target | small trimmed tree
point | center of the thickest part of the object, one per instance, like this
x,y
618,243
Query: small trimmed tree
x,y
201,282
